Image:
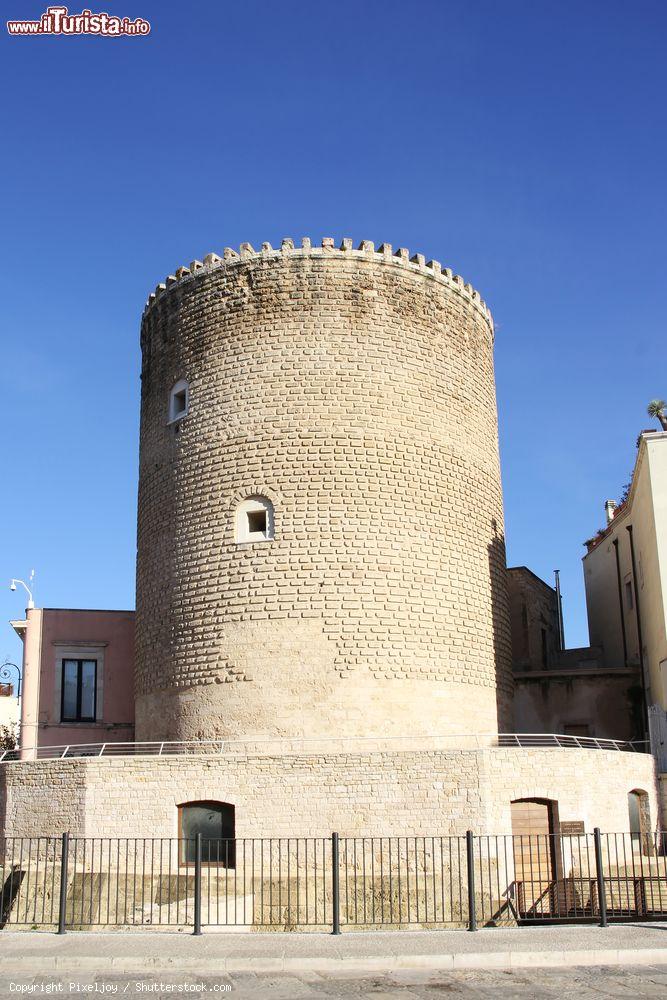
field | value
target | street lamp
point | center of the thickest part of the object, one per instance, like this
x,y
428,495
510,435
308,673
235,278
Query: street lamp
x,y
12,586
5,675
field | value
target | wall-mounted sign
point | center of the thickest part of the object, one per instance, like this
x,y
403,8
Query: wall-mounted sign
x,y
572,828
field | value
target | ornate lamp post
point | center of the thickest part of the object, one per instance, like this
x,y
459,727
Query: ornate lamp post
x,y
5,675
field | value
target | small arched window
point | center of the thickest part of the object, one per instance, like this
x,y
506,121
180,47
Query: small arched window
x,y
179,400
216,823
254,520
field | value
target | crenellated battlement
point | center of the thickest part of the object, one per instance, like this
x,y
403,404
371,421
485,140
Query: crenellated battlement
x,y
384,255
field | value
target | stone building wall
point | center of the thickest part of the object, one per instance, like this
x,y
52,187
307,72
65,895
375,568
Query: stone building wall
x,y
378,794
355,390
533,619
584,701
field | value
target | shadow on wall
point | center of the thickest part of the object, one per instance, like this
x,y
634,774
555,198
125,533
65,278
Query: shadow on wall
x,y
637,712
502,650
8,893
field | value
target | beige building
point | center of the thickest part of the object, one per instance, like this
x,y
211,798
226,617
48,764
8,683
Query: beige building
x,y
625,572
568,691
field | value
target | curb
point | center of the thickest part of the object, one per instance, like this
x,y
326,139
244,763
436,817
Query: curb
x,y
207,965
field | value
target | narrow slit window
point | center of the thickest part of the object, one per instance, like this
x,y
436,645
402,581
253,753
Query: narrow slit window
x,y
179,401
628,595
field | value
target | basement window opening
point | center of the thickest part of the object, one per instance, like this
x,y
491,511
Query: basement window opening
x,y
215,822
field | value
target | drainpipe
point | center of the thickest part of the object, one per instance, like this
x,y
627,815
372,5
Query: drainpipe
x,y
646,681
32,647
620,601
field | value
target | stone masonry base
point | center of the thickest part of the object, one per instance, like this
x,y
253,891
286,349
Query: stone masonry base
x,y
383,793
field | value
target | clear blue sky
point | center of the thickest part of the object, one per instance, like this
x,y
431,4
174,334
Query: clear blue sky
x,y
522,144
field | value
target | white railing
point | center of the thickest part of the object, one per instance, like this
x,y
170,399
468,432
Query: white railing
x,y
326,744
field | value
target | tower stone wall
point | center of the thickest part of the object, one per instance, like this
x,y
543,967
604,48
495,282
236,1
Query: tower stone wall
x,y
355,390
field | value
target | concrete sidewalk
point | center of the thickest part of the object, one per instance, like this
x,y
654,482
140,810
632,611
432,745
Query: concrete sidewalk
x,y
142,952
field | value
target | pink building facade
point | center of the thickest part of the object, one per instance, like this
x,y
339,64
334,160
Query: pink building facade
x,y
78,677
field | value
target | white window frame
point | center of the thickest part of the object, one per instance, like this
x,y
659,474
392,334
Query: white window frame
x,y
79,651
177,389
252,505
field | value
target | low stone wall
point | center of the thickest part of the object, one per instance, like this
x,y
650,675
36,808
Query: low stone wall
x,y
416,792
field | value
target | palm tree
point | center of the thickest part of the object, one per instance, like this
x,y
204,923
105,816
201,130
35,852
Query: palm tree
x,y
656,408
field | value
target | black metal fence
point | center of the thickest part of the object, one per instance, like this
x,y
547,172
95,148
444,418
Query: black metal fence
x,y
332,882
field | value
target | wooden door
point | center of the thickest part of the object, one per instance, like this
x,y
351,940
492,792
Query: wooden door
x,y
534,869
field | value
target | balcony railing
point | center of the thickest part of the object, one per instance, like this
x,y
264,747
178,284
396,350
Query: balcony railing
x,y
322,745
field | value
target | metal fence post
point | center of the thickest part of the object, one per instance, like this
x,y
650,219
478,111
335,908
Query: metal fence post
x,y
335,882
470,856
64,859
197,929
602,898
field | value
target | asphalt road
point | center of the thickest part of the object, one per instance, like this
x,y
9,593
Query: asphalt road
x,y
577,983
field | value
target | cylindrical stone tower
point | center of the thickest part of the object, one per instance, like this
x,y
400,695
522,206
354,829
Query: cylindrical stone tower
x,y
320,535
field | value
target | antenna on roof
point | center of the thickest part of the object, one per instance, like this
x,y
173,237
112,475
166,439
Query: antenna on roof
x,y
559,609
